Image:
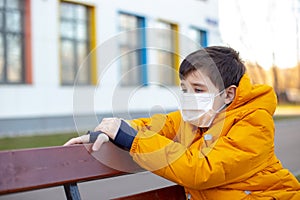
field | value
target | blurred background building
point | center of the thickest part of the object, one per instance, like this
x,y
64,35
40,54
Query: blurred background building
x,y
44,43
65,64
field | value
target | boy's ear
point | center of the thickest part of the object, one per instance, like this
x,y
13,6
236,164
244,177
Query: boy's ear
x,y
230,94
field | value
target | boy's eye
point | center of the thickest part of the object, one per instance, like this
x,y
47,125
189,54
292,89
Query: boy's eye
x,y
197,90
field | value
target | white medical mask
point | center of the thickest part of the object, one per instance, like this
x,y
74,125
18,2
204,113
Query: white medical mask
x,y
197,108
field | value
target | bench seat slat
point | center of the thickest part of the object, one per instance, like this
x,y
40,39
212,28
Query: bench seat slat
x,y
23,170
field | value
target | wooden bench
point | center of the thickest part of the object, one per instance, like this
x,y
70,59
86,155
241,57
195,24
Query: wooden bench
x,y
30,169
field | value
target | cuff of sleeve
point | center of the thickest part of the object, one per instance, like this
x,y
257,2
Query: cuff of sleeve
x,y
125,136
93,136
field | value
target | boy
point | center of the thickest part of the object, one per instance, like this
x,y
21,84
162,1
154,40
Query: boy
x,y
220,145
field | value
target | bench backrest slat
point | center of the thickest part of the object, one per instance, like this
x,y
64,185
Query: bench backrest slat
x,y
23,170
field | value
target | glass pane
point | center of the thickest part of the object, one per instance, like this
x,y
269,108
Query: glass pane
x,y
66,29
128,22
130,71
123,39
166,62
135,70
199,36
82,32
122,21
82,52
14,58
165,37
165,58
1,19
130,61
132,22
13,3
1,59
67,62
2,3
131,38
165,34
83,76
164,25
194,35
13,21
67,11
165,55
125,61
81,12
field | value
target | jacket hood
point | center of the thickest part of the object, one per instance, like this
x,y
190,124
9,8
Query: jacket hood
x,y
249,96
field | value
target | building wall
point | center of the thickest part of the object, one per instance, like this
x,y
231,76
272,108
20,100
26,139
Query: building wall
x,y
36,107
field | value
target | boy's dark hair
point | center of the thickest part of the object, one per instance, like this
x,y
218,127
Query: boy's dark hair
x,y
215,61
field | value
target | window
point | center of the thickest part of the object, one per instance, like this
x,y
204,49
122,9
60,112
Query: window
x,y
133,59
76,37
15,66
168,54
199,36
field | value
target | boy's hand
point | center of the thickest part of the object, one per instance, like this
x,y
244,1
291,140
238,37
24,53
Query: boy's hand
x,y
102,138
78,140
109,127
86,139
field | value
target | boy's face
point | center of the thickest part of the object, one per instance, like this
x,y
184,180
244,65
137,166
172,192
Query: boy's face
x,y
198,82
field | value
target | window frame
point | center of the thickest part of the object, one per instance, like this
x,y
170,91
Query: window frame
x,y
175,54
203,34
142,59
25,46
90,44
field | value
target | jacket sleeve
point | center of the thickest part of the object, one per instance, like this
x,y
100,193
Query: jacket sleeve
x,y
166,125
232,158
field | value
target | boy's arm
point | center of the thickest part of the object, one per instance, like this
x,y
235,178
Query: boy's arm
x,y
164,124
122,132
234,157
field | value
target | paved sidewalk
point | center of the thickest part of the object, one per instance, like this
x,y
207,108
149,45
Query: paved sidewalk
x,y
287,138
287,143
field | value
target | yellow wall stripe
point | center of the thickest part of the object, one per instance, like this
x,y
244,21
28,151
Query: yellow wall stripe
x,y
93,43
176,56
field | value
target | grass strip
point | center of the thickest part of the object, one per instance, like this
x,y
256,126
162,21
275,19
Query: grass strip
x,y
23,142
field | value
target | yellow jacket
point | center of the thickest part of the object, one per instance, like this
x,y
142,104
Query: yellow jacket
x,y
238,163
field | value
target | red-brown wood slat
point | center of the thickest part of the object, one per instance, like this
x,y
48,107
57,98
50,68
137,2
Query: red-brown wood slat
x,y
174,192
22,170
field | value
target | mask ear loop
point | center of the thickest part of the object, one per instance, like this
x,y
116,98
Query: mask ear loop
x,y
222,91
223,106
